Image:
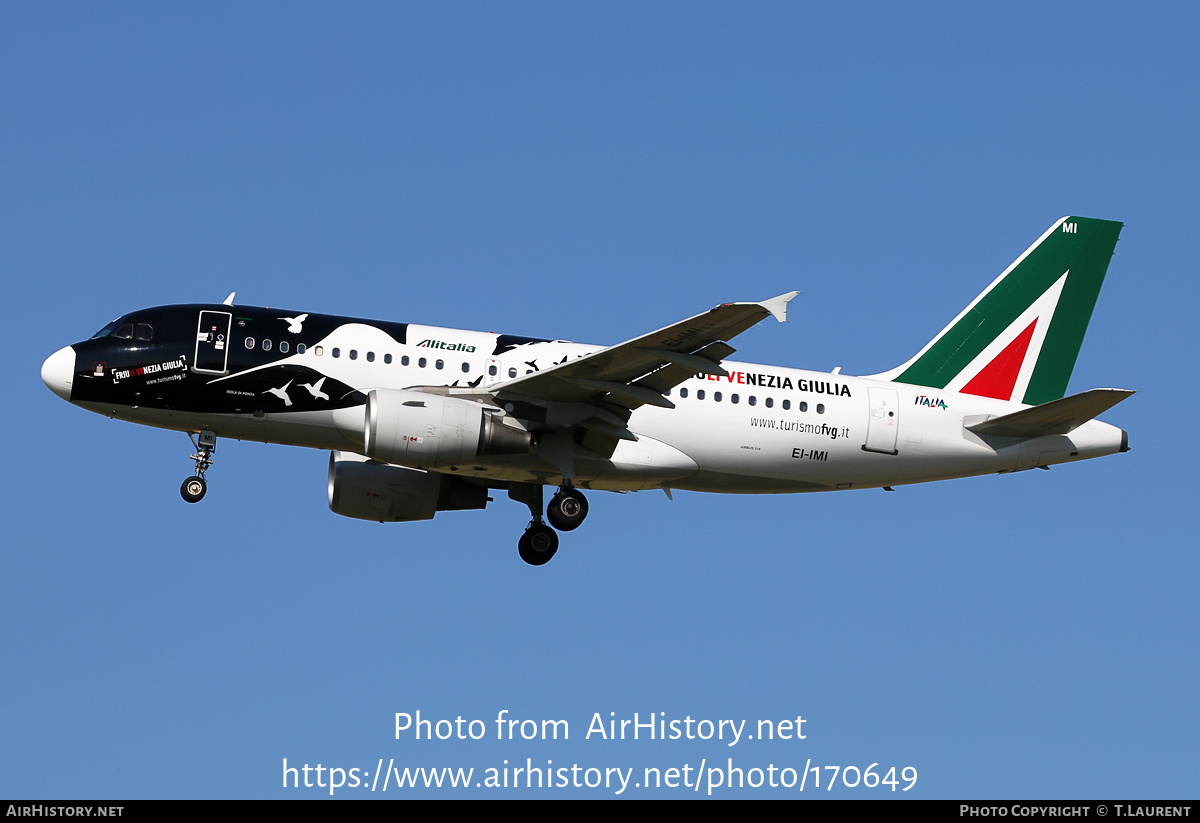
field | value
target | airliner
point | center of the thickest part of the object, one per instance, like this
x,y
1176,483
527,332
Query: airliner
x,y
423,419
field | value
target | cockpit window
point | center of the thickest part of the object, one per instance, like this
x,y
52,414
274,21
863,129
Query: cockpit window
x,y
107,330
125,330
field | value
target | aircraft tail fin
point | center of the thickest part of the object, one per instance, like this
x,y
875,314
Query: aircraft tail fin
x,y
1019,339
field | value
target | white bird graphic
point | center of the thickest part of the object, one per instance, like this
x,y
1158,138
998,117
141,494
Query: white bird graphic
x,y
315,389
281,393
295,324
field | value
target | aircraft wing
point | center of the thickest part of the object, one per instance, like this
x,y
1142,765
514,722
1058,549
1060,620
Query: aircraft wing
x,y
638,371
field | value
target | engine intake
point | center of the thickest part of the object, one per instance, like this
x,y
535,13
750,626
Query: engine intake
x,y
422,430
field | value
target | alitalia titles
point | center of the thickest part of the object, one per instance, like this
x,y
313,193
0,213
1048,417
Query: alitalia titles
x,y
442,344
780,381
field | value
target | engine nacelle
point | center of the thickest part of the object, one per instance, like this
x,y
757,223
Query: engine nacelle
x,y
368,490
423,430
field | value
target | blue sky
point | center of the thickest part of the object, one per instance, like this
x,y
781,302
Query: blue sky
x,y
591,172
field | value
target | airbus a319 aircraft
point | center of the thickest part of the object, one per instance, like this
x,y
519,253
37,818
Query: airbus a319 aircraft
x,y
420,419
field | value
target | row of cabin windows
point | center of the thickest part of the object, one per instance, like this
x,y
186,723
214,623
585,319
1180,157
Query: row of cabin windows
x,y
283,346
752,400
494,370
422,362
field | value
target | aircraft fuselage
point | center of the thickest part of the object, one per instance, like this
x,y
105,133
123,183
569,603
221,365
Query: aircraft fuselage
x,y
260,374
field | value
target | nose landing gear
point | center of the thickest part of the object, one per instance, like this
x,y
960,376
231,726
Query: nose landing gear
x,y
194,488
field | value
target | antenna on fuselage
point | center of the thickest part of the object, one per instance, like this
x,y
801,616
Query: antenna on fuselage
x,y
228,301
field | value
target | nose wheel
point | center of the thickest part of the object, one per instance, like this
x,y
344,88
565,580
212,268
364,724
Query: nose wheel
x,y
195,487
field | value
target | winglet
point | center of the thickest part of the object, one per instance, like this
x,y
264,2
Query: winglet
x,y
228,301
777,306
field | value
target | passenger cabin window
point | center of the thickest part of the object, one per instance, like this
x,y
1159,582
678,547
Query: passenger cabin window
x,y
249,342
283,346
404,360
370,357
421,362
354,354
769,402
336,352
319,350
266,345
699,394
387,358
787,404
803,405
466,368
683,392
438,364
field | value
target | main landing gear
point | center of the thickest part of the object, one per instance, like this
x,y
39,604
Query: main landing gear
x,y
566,511
538,544
194,488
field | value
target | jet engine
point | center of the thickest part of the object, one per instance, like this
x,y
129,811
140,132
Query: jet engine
x,y
423,430
368,490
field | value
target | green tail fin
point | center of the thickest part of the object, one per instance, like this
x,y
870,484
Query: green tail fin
x,y
1020,338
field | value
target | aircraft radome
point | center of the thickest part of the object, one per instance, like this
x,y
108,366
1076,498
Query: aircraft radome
x,y
420,419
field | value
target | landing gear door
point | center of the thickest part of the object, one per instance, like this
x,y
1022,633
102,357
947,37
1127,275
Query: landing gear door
x,y
212,342
884,421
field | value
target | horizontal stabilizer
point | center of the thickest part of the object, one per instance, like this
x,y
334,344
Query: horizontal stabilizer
x,y
1056,417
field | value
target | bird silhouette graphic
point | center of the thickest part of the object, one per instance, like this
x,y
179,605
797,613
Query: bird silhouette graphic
x,y
281,393
295,324
315,389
